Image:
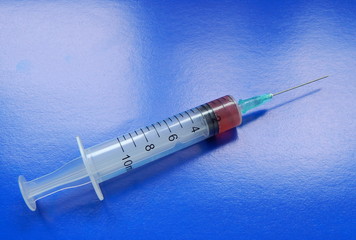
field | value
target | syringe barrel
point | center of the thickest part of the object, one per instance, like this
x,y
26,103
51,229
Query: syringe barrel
x,y
126,152
159,139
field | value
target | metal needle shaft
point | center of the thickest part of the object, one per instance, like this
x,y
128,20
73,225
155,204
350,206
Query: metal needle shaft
x,y
274,94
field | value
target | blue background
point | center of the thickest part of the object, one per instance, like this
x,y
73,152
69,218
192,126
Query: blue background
x,y
98,69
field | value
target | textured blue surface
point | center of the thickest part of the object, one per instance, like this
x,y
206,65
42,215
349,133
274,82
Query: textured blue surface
x,y
98,69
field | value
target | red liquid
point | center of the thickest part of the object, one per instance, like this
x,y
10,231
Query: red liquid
x,y
227,112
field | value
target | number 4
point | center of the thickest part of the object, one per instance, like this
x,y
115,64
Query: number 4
x,y
195,129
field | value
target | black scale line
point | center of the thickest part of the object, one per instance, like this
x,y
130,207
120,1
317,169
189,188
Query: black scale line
x,y
132,139
191,119
120,144
178,121
167,125
221,103
156,130
144,134
200,111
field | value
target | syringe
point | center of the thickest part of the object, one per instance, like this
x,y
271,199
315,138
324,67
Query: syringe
x,y
132,150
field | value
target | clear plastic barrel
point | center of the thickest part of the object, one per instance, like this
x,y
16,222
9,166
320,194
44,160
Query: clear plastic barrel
x,y
132,150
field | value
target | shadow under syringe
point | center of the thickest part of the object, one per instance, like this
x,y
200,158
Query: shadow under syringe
x,y
114,188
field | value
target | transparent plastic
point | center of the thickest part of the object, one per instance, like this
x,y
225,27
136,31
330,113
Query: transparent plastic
x,y
250,103
124,153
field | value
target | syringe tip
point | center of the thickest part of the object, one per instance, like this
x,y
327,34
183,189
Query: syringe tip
x,y
250,103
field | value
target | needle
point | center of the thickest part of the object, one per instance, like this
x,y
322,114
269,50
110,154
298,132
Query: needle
x,y
247,104
274,94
